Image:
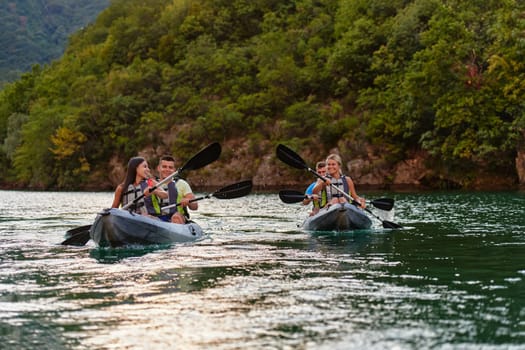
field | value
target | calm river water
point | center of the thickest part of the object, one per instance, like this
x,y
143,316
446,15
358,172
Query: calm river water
x,y
452,278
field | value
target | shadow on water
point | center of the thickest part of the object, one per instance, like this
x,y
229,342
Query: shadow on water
x,y
350,241
114,255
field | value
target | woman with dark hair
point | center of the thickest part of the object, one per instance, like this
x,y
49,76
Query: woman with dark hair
x,y
137,182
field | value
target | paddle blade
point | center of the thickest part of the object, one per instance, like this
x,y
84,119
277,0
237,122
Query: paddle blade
x,y
78,239
205,156
390,224
239,189
289,157
74,231
383,203
290,196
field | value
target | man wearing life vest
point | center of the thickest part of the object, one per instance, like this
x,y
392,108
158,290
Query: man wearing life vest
x,y
318,200
137,183
335,177
179,192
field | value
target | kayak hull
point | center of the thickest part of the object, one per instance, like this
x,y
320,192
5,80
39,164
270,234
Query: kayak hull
x,y
117,227
338,217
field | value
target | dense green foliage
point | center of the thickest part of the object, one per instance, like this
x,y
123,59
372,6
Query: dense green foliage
x,y
443,77
36,32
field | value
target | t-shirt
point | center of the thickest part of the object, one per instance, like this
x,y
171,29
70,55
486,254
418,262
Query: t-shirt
x,y
310,189
183,188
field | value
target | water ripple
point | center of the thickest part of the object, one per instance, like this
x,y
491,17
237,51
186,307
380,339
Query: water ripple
x,y
452,278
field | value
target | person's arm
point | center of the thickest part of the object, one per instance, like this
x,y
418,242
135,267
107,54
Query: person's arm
x,y
191,205
117,196
187,194
353,193
319,185
159,191
308,194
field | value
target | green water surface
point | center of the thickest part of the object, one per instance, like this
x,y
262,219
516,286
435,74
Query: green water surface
x,y
452,278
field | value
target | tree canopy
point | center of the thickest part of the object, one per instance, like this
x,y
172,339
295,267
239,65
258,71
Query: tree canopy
x,y
443,77
36,32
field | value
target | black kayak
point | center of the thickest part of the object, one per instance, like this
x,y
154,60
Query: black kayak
x,y
338,217
117,227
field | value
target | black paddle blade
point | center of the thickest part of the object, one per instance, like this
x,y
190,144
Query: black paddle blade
x,y
386,223
239,189
291,196
390,224
76,230
383,203
205,156
289,157
80,238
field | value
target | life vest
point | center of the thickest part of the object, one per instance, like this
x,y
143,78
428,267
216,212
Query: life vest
x,y
133,192
173,198
324,199
340,183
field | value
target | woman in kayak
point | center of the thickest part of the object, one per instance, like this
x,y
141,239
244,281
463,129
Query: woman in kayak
x,y
138,182
335,178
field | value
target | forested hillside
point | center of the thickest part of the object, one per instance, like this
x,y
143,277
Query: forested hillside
x,y
36,32
439,83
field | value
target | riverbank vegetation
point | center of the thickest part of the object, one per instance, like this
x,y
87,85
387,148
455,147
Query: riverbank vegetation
x,y
378,79
36,32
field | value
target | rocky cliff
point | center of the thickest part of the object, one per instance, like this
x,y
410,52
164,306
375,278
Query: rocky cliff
x,y
238,162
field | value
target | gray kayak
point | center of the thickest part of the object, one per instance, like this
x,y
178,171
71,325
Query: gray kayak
x,y
338,217
117,227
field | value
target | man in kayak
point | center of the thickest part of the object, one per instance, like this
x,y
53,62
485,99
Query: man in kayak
x,y
319,198
179,192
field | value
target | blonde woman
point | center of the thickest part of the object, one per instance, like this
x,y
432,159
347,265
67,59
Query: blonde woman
x,y
335,178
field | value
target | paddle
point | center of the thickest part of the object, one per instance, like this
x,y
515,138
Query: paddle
x,y
78,236
290,196
204,157
76,230
236,190
386,223
291,158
